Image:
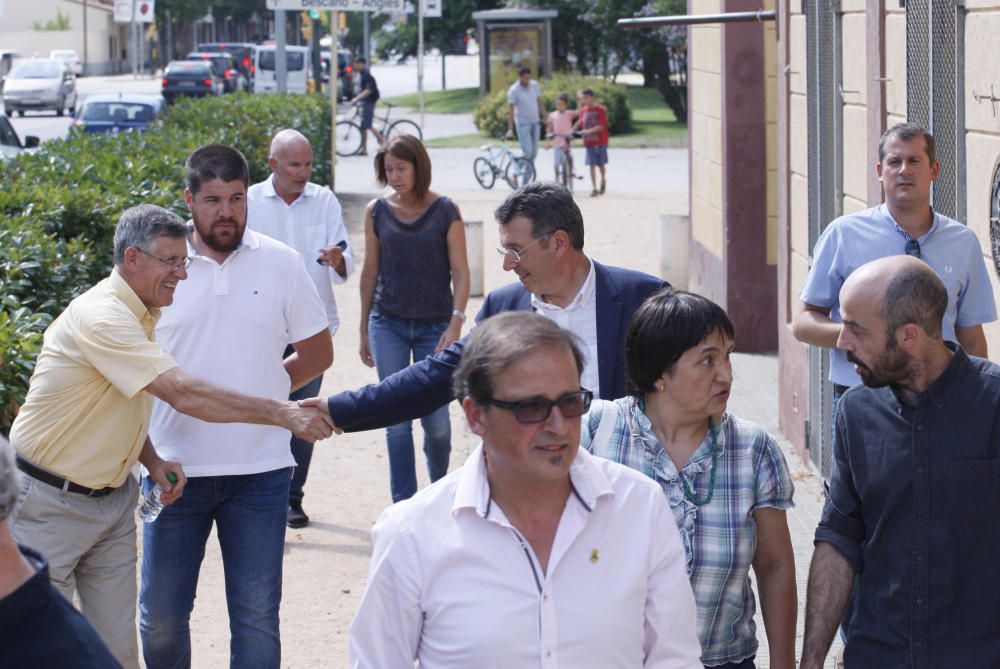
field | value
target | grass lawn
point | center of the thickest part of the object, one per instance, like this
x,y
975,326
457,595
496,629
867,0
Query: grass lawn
x,y
453,101
653,123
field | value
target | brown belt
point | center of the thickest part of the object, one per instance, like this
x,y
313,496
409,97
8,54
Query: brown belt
x,y
37,472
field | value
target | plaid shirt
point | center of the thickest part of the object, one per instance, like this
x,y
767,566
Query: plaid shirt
x,y
720,537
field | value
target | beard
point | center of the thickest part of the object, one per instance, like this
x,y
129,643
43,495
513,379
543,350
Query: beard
x,y
224,240
892,366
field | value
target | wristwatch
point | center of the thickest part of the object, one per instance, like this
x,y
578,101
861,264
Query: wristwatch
x,y
460,315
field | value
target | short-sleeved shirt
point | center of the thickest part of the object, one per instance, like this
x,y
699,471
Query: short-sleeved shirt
x,y
86,415
312,221
594,117
230,324
525,101
719,537
562,124
368,83
950,248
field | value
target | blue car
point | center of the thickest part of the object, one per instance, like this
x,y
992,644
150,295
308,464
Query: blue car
x,y
117,113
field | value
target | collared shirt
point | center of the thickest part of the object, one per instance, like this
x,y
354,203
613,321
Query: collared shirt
x,y
453,584
525,101
580,318
950,248
313,221
912,506
86,415
230,323
39,628
719,537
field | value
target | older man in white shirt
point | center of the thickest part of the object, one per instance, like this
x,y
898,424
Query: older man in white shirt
x,y
534,553
307,217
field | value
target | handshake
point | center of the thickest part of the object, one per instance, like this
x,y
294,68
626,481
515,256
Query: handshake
x,y
309,419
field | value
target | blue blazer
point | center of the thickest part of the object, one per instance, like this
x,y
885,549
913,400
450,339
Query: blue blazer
x,y
425,386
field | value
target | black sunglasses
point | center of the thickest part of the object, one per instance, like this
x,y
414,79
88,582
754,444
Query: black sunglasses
x,y
912,248
537,409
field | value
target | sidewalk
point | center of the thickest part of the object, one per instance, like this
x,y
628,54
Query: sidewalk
x,y
326,563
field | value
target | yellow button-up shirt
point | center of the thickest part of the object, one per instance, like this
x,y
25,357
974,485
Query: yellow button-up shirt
x,y
86,415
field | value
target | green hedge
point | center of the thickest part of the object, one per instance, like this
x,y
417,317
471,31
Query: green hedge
x,y
59,206
490,115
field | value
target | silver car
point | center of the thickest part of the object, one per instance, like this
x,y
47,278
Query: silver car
x,y
37,84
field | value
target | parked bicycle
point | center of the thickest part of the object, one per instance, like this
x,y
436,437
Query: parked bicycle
x,y
350,134
565,173
500,161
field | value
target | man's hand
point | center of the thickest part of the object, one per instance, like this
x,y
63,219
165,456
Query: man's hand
x,y
171,491
333,256
320,404
307,422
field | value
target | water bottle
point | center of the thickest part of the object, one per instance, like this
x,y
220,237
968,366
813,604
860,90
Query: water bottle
x,y
151,505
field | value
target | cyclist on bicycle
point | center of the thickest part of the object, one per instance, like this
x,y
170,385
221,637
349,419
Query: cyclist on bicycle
x,y
559,126
368,96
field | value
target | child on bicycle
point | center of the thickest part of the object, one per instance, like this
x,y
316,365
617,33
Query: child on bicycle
x,y
559,127
593,119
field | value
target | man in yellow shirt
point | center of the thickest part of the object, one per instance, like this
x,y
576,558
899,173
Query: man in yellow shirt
x,y
84,424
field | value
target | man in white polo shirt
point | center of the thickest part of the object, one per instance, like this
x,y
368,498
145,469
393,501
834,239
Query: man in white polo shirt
x,y
247,298
534,553
308,218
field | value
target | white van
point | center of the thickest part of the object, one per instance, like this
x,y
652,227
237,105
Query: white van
x,y
265,77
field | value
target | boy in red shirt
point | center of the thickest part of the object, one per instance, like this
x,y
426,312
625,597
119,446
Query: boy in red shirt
x,y
593,120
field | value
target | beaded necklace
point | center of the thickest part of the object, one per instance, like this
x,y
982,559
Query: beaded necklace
x,y
686,487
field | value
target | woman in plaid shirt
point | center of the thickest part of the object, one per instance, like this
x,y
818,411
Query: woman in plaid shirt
x,y
725,478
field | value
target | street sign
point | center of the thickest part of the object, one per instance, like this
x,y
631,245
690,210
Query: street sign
x,y
340,5
144,10
432,8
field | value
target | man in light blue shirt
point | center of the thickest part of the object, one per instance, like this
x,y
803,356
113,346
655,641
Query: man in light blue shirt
x,y
904,224
526,110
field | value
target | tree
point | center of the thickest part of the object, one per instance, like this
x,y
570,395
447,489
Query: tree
x,y
446,33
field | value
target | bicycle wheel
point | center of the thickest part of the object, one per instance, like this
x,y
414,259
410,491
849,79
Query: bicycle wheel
x,y
484,172
520,171
566,171
405,127
349,136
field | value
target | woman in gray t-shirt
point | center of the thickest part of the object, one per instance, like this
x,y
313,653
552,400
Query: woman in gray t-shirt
x,y
414,258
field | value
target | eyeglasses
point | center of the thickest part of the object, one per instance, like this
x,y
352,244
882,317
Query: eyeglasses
x,y
517,255
537,409
912,248
172,263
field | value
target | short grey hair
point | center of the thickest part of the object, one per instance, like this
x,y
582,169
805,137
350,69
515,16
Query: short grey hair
x,y
500,341
140,225
10,484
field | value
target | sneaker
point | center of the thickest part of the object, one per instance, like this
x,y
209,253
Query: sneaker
x,y
594,193
297,518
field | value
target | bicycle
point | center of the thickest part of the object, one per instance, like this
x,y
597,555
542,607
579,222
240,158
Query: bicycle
x,y
501,161
350,134
564,169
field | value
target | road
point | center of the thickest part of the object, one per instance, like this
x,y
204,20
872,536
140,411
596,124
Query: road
x,y
393,79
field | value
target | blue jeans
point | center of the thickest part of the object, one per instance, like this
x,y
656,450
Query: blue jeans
x,y
745,664
302,450
527,136
392,340
250,511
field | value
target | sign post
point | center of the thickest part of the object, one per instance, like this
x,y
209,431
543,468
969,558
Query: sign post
x,y
334,83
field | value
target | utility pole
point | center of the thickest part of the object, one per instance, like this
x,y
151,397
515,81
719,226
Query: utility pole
x,y
420,58
133,26
334,83
85,37
280,64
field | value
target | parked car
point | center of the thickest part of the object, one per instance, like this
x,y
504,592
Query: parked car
x,y
226,66
39,84
10,144
196,78
115,113
243,54
345,72
69,57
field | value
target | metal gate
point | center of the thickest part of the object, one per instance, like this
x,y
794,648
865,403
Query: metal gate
x,y
825,131
935,31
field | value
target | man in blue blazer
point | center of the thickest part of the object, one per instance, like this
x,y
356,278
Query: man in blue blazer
x,y
541,237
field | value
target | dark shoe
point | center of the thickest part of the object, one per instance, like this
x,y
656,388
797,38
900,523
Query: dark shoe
x,y
297,518
602,187
594,193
